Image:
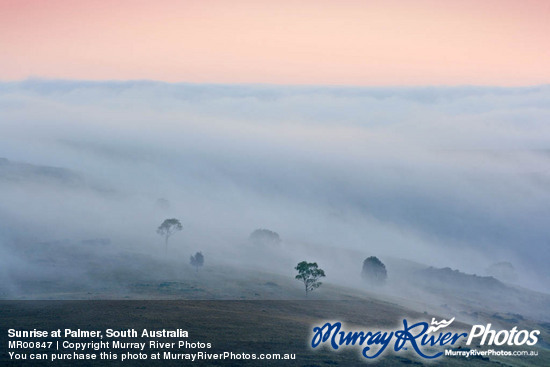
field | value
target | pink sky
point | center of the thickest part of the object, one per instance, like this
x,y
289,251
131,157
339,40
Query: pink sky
x,y
368,42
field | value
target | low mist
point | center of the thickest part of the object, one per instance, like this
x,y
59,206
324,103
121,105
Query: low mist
x,y
444,177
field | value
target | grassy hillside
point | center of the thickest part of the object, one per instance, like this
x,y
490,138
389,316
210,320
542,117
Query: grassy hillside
x,y
239,326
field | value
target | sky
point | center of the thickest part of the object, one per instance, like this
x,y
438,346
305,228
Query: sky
x,y
321,42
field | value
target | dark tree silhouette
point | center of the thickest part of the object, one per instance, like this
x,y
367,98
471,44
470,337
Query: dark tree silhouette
x,y
167,229
374,271
197,260
264,237
309,274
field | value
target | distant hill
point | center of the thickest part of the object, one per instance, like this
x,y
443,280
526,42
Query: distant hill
x,y
453,278
456,292
25,173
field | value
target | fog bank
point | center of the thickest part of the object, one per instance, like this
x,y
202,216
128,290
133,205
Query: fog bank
x,y
454,177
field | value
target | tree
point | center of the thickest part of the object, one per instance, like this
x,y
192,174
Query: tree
x,y
309,273
264,237
167,229
503,271
197,260
163,203
374,271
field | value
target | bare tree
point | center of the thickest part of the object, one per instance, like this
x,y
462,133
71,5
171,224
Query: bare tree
x,y
167,229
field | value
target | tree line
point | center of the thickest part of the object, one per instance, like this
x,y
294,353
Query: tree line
x,y
373,271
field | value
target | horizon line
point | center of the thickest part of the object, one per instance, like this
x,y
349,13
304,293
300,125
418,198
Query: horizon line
x,y
264,84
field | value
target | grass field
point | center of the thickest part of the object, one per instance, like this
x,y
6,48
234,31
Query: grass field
x,y
238,326
251,310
